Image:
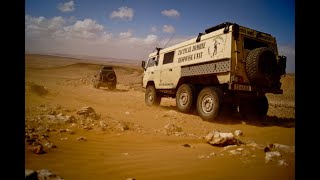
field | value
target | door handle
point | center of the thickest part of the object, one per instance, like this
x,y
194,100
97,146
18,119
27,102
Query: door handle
x,y
170,69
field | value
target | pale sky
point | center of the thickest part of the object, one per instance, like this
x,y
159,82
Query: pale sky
x,y
131,29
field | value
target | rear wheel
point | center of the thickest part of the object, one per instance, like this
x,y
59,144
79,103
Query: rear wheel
x,y
112,86
152,98
209,103
185,97
254,108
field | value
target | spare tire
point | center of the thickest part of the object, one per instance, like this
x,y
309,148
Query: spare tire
x,y
110,76
261,67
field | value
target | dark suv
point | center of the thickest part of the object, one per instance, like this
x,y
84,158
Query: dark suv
x,y
105,77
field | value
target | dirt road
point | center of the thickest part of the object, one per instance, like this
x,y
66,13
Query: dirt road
x,y
130,139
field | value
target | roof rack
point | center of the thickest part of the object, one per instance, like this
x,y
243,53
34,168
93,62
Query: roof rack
x,y
220,26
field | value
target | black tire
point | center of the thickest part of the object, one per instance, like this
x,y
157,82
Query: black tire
x,y
254,108
209,103
185,97
152,98
261,67
97,85
111,76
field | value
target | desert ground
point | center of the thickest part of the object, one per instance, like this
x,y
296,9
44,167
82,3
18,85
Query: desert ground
x,y
123,138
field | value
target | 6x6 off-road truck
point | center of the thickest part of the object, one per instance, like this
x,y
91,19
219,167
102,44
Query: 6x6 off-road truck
x,y
105,77
228,66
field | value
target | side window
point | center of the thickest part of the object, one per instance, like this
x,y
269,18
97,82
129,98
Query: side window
x,y
151,62
168,57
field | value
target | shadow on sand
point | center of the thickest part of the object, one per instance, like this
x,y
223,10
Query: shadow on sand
x,y
235,118
115,90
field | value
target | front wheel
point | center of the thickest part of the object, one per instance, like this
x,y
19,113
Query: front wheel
x,y
185,97
152,98
209,103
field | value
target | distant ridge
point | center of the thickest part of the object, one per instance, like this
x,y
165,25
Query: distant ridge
x,y
94,58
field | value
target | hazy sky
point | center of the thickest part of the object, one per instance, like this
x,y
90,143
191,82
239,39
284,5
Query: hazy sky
x,y
131,29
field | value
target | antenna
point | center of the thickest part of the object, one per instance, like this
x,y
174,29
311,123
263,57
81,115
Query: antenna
x,y
156,45
169,40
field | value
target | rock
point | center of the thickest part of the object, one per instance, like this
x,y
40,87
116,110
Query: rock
x,y
62,130
87,127
66,118
52,112
81,138
280,147
238,133
50,145
45,174
38,149
283,162
218,138
269,156
85,111
235,152
122,126
70,131
172,128
30,174
186,145
103,124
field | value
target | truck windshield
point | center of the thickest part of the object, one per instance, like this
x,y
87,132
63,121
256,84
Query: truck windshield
x,y
151,62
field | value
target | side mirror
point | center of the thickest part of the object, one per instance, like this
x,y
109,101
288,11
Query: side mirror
x,y
143,63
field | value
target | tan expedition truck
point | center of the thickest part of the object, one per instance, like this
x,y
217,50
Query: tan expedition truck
x,y
228,66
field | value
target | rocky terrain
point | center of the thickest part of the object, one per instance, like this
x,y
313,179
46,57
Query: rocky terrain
x,y
74,131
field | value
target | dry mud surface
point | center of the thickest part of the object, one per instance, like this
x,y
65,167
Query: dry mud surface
x,y
126,139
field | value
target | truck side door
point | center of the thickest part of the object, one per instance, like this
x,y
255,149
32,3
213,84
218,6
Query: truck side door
x,y
167,71
152,72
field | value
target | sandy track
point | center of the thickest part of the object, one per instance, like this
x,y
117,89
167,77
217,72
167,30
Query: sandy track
x,y
145,150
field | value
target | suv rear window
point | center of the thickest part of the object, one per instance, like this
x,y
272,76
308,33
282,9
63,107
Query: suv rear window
x,y
106,67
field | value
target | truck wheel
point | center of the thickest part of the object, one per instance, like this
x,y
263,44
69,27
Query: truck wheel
x,y
97,85
152,98
185,97
254,108
209,103
261,67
